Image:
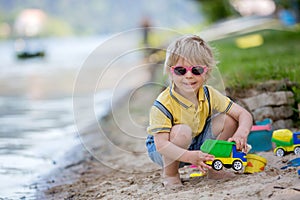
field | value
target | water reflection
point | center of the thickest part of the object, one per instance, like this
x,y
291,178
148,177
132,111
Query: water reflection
x,y
30,131
36,106
36,111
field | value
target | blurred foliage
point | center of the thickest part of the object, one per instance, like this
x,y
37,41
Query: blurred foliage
x,y
287,3
63,17
57,27
82,17
216,10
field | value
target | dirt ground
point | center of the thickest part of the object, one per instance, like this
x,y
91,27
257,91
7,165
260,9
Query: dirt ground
x,y
116,166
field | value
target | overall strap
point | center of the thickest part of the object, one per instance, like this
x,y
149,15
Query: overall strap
x,y
164,110
206,92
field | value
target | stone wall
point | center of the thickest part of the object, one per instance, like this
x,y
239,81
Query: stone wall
x,y
272,99
277,106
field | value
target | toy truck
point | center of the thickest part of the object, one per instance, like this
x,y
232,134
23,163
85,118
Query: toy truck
x,y
286,141
225,154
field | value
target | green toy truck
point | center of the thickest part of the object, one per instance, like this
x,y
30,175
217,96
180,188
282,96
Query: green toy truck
x,y
225,154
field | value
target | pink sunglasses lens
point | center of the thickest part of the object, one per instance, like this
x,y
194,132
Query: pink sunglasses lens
x,y
196,70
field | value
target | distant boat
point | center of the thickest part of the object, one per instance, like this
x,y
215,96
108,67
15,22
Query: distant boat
x,y
25,48
28,26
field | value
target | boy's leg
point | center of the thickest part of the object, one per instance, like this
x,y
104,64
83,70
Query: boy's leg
x,y
224,126
180,135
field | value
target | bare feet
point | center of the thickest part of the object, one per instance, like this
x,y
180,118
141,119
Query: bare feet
x,y
172,181
217,175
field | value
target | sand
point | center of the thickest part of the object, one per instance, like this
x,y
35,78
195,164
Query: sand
x,y
114,165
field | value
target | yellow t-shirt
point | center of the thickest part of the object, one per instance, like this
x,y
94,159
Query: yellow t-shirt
x,y
185,112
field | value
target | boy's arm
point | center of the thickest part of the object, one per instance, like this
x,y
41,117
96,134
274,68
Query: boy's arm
x,y
174,152
244,119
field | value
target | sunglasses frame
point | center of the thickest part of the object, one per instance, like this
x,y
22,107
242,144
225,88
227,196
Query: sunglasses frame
x,y
188,68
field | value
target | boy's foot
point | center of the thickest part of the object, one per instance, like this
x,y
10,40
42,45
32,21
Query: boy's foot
x,y
172,182
217,175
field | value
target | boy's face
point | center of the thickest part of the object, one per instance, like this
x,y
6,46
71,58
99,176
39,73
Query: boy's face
x,y
187,84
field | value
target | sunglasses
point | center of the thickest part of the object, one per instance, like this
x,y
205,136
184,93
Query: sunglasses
x,y
182,70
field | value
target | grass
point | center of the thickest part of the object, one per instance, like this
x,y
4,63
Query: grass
x,y
278,58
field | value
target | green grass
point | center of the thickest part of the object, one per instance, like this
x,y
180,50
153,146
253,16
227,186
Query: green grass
x,y
278,58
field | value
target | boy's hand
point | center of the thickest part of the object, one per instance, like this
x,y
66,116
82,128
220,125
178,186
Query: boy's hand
x,y
240,142
198,158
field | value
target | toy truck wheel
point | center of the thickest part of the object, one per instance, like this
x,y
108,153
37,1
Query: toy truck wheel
x,y
297,150
237,165
217,165
280,152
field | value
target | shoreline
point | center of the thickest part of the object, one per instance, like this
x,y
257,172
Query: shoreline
x,y
78,160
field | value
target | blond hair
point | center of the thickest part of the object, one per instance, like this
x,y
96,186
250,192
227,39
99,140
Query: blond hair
x,y
192,49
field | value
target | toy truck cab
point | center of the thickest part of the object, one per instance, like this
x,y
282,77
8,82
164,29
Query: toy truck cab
x,y
225,154
286,141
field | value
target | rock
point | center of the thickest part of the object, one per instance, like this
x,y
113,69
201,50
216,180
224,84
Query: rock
x,y
283,112
262,113
281,124
269,99
275,85
274,113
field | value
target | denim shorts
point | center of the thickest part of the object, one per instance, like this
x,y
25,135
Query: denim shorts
x,y
196,143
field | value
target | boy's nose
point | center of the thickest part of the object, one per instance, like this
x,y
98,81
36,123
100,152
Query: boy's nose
x,y
189,74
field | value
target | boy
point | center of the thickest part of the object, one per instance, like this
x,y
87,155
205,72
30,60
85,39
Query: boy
x,y
189,112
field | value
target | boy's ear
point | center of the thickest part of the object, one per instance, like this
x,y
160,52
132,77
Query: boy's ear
x,y
206,75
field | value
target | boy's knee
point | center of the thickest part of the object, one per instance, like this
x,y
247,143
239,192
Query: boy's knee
x,y
181,132
224,127
232,123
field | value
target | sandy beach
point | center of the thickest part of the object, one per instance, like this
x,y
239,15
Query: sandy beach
x,y
112,163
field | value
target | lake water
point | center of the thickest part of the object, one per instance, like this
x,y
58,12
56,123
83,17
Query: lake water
x,y
36,107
